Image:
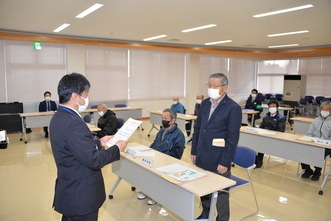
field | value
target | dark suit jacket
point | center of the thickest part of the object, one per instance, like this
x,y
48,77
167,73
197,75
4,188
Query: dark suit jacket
x,y
43,108
224,123
79,187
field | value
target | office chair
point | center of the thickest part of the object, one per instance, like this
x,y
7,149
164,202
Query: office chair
x,y
326,99
87,118
301,106
316,105
279,97
120,122
245,158
326,178
120,105
94,106
268,95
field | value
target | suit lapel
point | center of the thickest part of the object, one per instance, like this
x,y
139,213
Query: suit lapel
x,y
218,109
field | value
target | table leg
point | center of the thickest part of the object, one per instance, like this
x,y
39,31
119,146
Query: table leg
x,y
213,206
149,133
23,132
114,187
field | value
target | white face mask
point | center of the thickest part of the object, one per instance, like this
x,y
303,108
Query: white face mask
x,y
253,95
214,93
101,113
175,102
83,107
199,101
325,113
272,110
47,98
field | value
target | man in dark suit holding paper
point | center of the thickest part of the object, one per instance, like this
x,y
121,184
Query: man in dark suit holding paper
x,y
47,105
79,187
219,118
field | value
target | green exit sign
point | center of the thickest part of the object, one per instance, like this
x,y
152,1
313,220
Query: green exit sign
x,y
37,45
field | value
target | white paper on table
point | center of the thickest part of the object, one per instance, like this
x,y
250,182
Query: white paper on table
x,y
263,131
125,132
141,151
2,135
145,154
307,138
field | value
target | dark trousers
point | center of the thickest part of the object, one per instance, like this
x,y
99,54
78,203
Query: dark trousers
x,y
222,204
88,217
45,129
307,167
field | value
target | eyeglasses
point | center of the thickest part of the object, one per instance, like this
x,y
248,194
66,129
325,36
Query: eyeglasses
x,y
214,86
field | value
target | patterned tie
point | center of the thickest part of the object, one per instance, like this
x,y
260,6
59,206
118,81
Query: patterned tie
x,y
48,108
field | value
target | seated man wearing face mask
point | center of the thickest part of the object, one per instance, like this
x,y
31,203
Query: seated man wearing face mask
x,y
321,128
176,106
271,121
169,140
253,102
107,122
47,105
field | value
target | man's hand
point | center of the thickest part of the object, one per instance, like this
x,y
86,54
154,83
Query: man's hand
x,y
104,140
193,157
122,144
221,169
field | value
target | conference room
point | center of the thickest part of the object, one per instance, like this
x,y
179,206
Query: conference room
x,y
114,49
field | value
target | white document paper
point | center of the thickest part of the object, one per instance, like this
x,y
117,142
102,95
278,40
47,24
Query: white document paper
x,y
263,131
306,138
142,151
125,132
3,135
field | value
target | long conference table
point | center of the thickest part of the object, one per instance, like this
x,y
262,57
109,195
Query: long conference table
x,y
155,118
301,124
176,196
42,119
284,145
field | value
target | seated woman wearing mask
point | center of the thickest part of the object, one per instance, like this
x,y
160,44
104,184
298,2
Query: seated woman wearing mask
x,y
271,121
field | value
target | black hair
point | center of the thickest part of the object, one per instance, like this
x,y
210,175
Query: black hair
x,y
72,83
255,90
47,92
273,102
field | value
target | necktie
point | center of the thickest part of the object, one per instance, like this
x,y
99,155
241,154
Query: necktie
x,y
48,107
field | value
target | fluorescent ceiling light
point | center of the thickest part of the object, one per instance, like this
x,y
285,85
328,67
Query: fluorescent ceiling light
x,y
283,46
156,37
89,10
288,33
61,27
199,28
218,42
283,11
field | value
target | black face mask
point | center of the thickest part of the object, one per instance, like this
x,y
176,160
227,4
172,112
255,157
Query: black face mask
x,y
165,123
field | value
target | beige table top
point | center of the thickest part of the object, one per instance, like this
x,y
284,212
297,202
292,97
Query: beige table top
x,y
304,119
284,136
200,187
36,114
93,128
180,116
245,111
114,109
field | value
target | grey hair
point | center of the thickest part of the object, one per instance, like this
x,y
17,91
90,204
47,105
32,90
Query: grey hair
x,y
222,77
103,106
326,103
173,113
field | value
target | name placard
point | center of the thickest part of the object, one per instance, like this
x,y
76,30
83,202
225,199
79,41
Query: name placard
x,y
130,153
250,129
322,142
147,161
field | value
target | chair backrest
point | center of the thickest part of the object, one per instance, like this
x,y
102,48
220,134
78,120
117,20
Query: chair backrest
x,y
87,118
318,99
309,99
120,105
244,157
94,106
120,122
303,101
326,99
268,96
279,97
